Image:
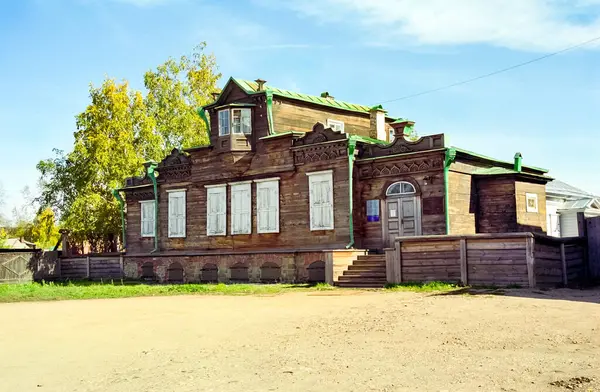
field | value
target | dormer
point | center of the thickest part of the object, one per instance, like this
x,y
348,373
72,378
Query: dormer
x,y
238,117
234,126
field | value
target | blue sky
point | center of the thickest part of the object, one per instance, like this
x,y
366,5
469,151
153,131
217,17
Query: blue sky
x,y
360,51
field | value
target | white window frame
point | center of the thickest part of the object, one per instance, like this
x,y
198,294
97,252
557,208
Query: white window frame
x,y
221,116
273,185
336,125
314,177
176,193
219,189
391,135
235,187
531,196
244,113
144,218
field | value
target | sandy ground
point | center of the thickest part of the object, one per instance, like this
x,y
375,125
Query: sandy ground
x,y
322,341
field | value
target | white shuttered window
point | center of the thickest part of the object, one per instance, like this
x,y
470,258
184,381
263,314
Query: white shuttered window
x,y
147,212
216,210
241,208
176,213
267,206
320,186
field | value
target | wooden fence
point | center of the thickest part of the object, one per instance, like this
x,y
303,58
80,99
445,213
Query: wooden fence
x,y
523,259
25,265
91,267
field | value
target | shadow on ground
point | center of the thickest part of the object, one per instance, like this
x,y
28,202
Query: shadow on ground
x,y
591,295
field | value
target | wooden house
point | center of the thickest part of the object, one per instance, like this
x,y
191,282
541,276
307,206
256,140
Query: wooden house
x,y
567,207
295,188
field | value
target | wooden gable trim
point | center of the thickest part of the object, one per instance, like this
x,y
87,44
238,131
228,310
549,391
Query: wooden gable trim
x,y
402,146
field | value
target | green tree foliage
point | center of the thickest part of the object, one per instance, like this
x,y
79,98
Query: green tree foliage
x,y
44,231
119,130
3,237
175,90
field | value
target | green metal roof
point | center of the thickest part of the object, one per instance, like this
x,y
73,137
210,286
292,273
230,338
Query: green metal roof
x,y
285,133
474,154
368,140
498,171
252,88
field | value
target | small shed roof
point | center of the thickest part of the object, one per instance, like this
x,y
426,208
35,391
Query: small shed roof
x,y
560,188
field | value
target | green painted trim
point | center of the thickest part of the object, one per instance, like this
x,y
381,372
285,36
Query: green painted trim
x,y
368,140
351,150
269,95
119,198
518,162
202,114
511,164
235,105
282,134
448,160
150,170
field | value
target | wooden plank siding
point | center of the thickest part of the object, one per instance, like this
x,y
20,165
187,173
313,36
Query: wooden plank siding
x,y
462,203
496,205
291,115
90,267
530,221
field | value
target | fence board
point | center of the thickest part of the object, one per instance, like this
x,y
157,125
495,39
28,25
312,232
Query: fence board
x,y
501,259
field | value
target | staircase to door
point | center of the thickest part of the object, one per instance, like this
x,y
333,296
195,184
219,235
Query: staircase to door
x,y
365,271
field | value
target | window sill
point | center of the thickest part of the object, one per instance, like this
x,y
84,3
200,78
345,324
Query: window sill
x,y
176,236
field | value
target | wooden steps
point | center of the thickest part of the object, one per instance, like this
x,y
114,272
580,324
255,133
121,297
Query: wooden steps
x,y
365,272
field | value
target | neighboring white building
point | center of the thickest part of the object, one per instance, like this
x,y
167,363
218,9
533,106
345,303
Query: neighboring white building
x,y
563,202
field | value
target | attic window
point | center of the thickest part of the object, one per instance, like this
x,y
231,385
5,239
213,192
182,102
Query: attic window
x,y
224,122
237,121
336,125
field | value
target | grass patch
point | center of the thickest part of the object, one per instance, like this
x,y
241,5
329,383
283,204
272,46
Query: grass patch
x,y
50,291
422,287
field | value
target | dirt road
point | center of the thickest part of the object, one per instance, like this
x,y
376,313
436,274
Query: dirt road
x,y
322,341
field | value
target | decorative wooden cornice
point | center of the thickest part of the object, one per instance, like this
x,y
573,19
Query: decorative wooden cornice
x,y
319,134
140,194
401,146
175,166
320,152
385,169
322,144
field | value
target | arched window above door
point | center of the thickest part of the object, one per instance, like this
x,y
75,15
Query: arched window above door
x,y
401,188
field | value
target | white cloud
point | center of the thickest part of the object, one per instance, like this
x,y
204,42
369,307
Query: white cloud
x,y
536,25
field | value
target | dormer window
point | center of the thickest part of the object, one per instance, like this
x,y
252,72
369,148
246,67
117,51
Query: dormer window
x,y
335,125
224,122
237,121
240,121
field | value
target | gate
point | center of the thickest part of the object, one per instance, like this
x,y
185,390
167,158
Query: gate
x,y
17,266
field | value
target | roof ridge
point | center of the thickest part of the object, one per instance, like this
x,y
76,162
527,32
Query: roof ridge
x,y
250,87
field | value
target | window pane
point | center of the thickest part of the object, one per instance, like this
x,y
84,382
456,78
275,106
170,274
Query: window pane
x,y
236,121
407,188
246,121
224,122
